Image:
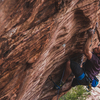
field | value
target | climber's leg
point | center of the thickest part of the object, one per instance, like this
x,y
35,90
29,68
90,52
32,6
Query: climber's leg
x,y
76,69
68,71
73,67
80,78
79,82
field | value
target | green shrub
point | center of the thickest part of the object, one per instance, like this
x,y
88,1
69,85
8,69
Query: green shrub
x,y
76,93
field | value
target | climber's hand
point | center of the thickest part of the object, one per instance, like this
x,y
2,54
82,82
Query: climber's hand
x,y
96,25
90,33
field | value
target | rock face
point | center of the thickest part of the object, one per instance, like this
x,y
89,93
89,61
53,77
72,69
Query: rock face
x,y
37,37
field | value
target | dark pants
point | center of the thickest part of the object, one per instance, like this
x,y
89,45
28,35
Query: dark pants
x,y
77,71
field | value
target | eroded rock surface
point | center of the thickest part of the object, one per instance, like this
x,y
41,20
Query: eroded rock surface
x,y
37,37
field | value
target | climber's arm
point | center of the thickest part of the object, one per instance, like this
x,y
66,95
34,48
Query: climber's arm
x,y
86,50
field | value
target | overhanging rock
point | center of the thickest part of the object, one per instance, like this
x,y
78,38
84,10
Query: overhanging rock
x,y
37,37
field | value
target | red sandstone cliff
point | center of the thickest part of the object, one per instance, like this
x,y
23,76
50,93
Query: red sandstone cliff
x,y
32,34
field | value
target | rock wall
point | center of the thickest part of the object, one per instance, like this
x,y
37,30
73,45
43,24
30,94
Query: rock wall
x,y
37,37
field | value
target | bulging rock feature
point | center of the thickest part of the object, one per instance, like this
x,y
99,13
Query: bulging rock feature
x,y
37,37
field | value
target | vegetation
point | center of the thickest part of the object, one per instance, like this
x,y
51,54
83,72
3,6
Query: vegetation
x,y
76,93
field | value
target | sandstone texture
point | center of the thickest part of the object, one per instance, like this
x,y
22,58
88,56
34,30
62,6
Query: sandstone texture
x,y
37,37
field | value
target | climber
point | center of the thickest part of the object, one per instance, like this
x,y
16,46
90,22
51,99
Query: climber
x,y
87,74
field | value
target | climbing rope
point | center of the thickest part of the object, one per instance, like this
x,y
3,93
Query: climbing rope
x,y
94,33
50,77
99,4
60,84
58,87
92,37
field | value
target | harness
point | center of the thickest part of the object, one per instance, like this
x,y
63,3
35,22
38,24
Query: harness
x,y
91,83
88,79
84,75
